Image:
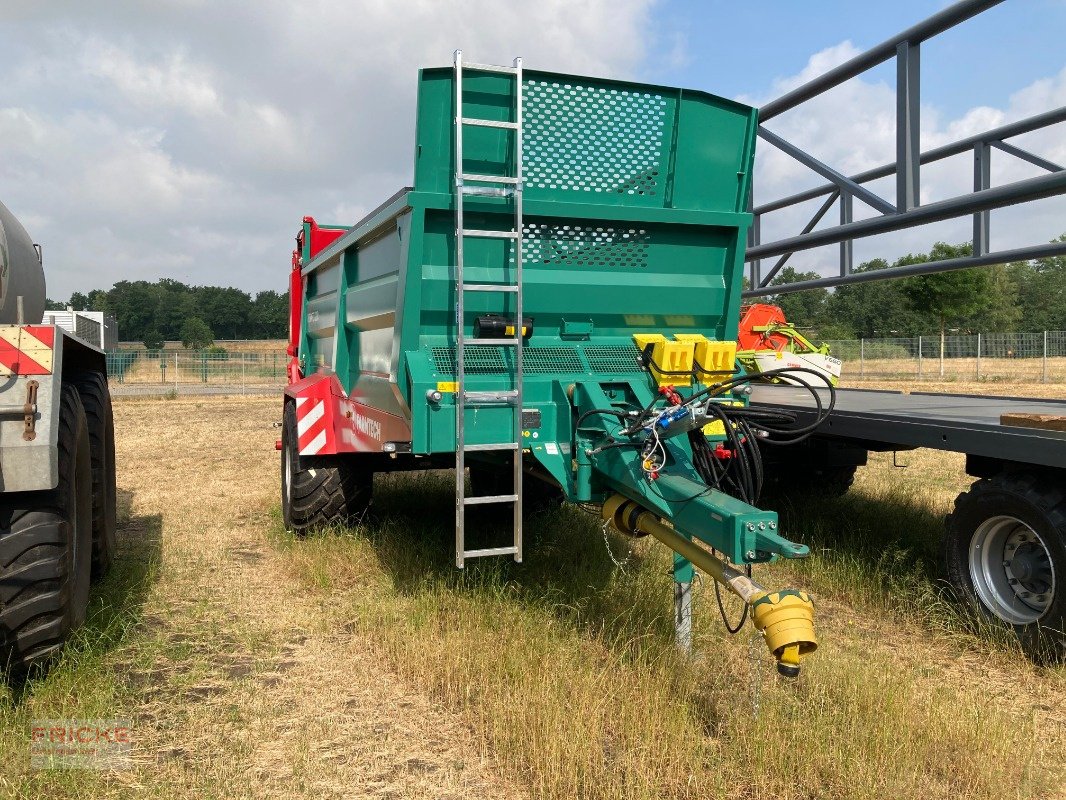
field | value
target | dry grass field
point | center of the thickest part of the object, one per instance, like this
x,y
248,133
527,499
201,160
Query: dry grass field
x,y
361,664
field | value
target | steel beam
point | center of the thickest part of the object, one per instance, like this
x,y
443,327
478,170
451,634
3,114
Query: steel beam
x,y
1027,125
982,179
997,197
843,182
821,212
1051,250
847,247
938,23
1025,155
908,148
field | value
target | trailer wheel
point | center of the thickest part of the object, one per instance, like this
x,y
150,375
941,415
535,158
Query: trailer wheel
x,y
95,397
319,492
1005,550
45,551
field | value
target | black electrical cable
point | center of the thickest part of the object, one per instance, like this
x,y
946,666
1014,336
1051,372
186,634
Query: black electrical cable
x,y
733,629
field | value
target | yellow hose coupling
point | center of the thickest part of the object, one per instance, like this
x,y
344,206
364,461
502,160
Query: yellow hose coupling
x,y
786,619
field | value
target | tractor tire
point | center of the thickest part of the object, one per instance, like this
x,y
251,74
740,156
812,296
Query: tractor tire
x,y
1005,552
46,551
319,492
96,399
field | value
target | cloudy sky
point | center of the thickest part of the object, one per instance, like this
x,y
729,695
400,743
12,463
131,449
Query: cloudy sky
x,y
186,138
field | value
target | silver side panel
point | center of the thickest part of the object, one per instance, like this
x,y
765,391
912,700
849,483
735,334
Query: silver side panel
x,y
31,466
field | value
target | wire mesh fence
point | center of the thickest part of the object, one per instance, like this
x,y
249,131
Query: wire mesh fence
x,y
993,357
190,372
975,357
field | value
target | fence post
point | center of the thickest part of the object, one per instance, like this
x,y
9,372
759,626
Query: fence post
x,y
919,356
244,361
978,376
862,358
175,373
1043,370
941,354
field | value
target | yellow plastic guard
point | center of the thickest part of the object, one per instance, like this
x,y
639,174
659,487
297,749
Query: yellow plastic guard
x,y
673,358
716,358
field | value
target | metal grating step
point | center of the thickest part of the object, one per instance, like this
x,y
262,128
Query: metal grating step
x,y
490,68
484,448
490,551
488,191
489,499
490,123
489,287
506,396
480,234
473,176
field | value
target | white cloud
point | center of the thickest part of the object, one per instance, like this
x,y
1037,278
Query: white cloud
x,y
187,139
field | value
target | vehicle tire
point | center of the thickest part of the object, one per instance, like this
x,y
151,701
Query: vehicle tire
x,y
96,399
319,492
46,549
1005,551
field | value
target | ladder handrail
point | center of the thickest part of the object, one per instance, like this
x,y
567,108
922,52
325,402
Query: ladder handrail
x,y
513,397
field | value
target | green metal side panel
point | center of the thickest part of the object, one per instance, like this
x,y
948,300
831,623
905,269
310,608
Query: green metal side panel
x,y
634,223
592,140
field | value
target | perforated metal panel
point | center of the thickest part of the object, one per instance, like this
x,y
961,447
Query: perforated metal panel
x,y
478,360
498,361
593,139
615,358
585,245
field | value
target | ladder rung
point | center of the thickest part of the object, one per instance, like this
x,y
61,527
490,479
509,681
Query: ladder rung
x,y
502,396
491,551
466,176
491,498
490,123
490,68
489,234
511,342
481,448
489,287
488,191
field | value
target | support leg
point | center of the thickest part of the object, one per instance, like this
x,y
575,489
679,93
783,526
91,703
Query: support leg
x,y
683,603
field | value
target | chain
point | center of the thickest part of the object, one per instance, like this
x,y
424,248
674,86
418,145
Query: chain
x,y
621,565
755,672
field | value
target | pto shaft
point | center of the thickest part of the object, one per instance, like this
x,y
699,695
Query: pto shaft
x,y
785,618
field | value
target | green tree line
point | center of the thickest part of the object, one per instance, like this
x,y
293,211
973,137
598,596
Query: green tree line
x,y
1015,297
168,310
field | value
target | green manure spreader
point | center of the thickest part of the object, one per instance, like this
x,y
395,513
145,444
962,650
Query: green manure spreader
x,y
551,308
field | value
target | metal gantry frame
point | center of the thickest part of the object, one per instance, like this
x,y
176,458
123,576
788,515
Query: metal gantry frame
x,y
906,212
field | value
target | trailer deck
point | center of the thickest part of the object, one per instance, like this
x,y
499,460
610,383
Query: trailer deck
x,y
885,420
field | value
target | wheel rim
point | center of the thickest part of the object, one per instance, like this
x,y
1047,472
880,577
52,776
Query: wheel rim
x,y
286,462
1011,568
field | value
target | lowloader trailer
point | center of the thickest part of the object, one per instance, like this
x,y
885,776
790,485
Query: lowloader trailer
x,y
57,465
1004,545
551,307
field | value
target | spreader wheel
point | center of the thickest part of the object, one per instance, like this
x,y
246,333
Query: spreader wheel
x,y
319,492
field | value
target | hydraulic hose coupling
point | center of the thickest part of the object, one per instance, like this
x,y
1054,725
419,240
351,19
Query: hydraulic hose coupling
x,y
786,619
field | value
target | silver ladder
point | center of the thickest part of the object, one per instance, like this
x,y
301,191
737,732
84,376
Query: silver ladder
x,y
488,186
